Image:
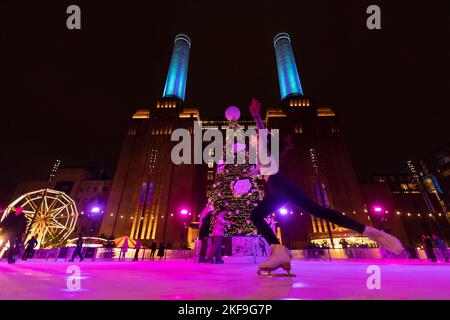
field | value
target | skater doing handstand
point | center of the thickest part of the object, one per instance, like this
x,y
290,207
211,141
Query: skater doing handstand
x,y
281,191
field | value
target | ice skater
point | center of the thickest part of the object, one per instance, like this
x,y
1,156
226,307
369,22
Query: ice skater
x,y
78,249
428,247
153,250
262,245
161,250
124,250
442,247
29,248
13,227
137,249
203,234
283,190
220,226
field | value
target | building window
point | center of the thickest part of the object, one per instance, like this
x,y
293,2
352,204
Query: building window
x,y
210,175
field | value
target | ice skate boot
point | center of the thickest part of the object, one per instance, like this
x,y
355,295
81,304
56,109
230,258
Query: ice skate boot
x,y
384,240
279,258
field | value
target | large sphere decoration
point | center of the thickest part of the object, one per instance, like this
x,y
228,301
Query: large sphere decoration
x,y
241,187
55,220
232,112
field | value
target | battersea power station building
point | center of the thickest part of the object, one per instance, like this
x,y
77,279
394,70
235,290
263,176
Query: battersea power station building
x,y
149,192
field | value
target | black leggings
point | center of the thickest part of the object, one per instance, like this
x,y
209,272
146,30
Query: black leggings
x,y
282,191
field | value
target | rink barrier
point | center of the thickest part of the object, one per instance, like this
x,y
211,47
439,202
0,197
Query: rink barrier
x,y
93,254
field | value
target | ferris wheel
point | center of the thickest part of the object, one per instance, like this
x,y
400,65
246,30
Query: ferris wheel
x,y
55,215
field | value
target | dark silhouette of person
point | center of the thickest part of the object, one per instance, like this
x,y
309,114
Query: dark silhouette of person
x,y
29,248
203,234
161,250
262,245
442,246
13,227
153,249
428,246
137,246
77,251
343,243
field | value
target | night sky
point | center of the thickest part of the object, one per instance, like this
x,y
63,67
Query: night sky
x,y
68,94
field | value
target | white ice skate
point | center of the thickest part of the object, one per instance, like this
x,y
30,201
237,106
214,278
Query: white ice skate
x,y
279,258
384,240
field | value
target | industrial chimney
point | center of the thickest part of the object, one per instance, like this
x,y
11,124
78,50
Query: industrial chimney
x,y
178,68
287,69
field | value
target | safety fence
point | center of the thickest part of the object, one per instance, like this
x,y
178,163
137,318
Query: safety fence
x,y
114,254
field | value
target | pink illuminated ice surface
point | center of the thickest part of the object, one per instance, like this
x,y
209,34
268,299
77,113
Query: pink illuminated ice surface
x,y
236,279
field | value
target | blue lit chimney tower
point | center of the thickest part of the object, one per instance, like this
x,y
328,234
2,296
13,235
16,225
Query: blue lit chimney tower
x,y
287,69
177,75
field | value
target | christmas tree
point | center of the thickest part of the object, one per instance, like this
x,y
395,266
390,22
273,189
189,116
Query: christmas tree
x,y
240,202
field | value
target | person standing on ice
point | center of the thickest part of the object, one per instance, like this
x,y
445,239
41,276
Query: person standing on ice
x,y
442,246
153,249
203,234
124,250
262,245
283,190
220,226
78,249
29,248
13,227
137,247
161,249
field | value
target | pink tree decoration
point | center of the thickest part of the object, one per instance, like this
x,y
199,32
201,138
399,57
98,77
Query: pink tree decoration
x,y
232,112
241,187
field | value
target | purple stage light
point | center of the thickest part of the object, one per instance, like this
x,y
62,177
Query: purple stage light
x,y
377,209
283,211
95,210
184,212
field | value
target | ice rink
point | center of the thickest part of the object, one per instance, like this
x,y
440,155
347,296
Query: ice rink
x,y
236,279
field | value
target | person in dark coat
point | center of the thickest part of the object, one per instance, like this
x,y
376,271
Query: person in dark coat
x,y
153,249
203,234
78,249
442,246
161,250
262,245
137,247
343,243
13,227
428,246
29,248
